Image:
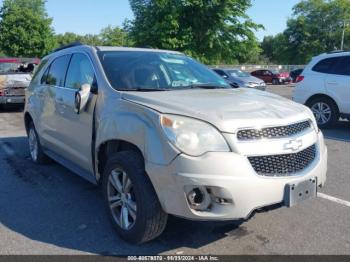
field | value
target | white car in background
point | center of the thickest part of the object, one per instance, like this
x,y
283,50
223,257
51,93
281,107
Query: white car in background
x,y
324,86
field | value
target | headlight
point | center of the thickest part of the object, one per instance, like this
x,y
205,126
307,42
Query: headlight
x,y
313,120
193,137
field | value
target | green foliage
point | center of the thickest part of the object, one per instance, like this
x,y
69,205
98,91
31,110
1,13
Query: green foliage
x,y
25,28
68,38
316,27
213,31
115,36
109,36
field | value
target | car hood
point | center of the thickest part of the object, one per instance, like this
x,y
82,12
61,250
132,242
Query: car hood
x,y
227,109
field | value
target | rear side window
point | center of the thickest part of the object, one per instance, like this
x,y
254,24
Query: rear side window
x,y
57,71
38,69
343,66
326,65
80,72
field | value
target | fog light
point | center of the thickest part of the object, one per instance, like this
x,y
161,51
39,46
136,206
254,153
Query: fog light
x,y
199,199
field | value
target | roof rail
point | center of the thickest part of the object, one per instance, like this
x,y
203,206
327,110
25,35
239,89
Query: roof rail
x,y
68,46
338,51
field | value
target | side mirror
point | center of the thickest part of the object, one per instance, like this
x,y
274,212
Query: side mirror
x,y
82,98
234,85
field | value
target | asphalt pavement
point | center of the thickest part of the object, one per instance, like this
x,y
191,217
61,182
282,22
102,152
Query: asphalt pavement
x,y
49,210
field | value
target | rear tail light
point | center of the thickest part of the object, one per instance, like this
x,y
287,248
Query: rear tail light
x,y
299,79
2,93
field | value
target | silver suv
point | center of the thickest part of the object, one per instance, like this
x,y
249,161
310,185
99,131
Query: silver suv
x,y
163,134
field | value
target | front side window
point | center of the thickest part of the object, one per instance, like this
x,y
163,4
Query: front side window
x,y
57,71
80,72
130,70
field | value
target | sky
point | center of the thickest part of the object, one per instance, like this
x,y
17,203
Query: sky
x,y
90,16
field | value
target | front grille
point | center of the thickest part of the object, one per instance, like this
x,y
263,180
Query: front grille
x,y
283,165
273,132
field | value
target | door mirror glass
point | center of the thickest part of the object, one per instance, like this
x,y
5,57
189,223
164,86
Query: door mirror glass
x,y
82,98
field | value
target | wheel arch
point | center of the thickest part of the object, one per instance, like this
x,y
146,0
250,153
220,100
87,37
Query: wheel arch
x,y
111,147
322,96
27,120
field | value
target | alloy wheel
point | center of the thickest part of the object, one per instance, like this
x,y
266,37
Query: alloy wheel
x,y
322,112
121,199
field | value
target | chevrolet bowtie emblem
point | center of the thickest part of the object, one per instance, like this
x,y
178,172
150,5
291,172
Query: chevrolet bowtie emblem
x,y
293,145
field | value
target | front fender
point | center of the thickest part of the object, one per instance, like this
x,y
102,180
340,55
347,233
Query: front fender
x,y
139,126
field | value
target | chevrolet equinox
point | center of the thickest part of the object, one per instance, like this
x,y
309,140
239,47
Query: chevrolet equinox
x,y
163,134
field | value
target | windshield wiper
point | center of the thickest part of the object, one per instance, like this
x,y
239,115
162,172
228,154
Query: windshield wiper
x,y
141,89
207,86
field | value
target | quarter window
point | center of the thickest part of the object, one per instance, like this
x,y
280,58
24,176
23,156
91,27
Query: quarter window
x,y
343,66
326,65
39,69
80,72
57,72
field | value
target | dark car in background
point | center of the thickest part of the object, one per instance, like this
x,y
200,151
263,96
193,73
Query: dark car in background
x,y
295,73
273,77
15,77
237,78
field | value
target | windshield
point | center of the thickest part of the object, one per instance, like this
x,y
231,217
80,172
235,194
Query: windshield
x,y
15,68
238,73
9,67
130,70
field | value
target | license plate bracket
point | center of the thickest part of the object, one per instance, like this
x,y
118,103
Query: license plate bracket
x,y
301,191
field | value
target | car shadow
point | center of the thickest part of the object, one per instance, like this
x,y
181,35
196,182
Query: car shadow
x,y
340,132
51,205
11,108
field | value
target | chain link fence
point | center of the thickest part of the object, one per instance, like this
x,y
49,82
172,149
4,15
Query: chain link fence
x,y
251,68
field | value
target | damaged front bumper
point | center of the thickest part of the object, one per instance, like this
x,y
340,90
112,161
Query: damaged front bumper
x,y
224,186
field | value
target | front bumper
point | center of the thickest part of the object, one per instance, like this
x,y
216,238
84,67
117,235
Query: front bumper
x,y
12,100
229,176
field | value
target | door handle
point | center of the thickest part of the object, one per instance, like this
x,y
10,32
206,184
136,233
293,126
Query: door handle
x,y
333,83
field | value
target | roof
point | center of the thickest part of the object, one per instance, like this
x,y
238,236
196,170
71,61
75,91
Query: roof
x,y
19,60
132,49
9,60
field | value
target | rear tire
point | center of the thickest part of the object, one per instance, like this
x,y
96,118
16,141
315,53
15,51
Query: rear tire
x,y
131,200
275,82
325,110
36,152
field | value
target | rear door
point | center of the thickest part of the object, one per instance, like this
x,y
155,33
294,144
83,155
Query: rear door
x,y
75,130
338,83
52,79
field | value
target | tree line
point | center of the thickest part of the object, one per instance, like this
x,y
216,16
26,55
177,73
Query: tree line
x,y
317,26
212,31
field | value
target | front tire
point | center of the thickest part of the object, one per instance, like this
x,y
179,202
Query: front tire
x,y
36,152
131,200
325,110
